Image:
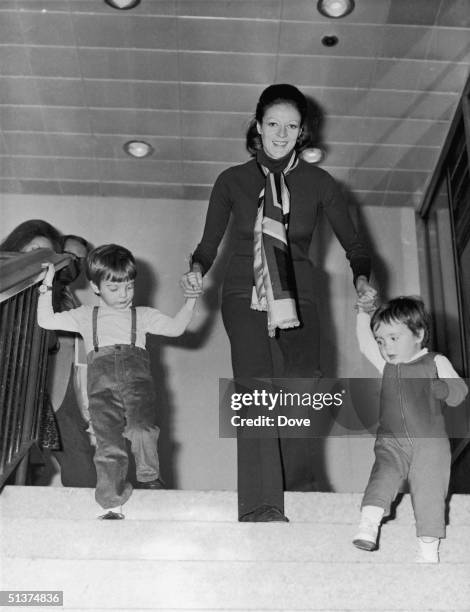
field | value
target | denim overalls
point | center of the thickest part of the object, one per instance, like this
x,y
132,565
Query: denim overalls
x,y
122,405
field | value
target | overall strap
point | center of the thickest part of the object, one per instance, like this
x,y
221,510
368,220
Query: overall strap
x,y
95,328
133,326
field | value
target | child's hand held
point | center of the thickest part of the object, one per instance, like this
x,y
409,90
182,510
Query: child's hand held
x,y
366,304
366,296
191,284
50,273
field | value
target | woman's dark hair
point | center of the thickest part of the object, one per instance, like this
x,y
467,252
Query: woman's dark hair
x,y
282,93
75,238
408,310
110,262
25,232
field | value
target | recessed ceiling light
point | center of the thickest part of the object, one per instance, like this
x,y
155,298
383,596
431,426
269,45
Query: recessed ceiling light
x,y
312,155
335,8
123,5
138,148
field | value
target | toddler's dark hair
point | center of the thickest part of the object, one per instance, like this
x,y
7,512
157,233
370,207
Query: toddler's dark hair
x,y
408,310
110,262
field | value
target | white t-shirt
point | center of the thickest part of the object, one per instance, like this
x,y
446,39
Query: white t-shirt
x,y
113,326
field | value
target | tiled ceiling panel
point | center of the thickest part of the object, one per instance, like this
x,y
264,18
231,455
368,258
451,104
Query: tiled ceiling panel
x,y
78,79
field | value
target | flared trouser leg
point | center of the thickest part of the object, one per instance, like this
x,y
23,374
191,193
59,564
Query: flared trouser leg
x,y
267,463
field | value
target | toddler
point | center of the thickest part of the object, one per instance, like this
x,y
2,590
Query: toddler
x,y
120,387
411,441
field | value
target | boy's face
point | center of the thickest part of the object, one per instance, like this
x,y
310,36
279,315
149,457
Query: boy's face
x,y
118,295
397,343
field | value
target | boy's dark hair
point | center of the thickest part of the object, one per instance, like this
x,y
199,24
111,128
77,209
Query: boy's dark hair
x,y
408,310
110,262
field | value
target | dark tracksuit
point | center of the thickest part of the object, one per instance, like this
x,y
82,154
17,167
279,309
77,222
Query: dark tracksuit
x,y
411,444
122,405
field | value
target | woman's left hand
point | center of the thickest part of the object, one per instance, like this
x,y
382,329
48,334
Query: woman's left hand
x,y
366,295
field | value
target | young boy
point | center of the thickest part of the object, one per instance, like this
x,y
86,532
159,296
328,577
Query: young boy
x,y
120,387
411,441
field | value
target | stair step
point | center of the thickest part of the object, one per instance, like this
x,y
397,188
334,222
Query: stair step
x,y
210,506
232,585
196,541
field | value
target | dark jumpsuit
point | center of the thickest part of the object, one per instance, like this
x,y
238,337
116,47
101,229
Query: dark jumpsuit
x,y
412,445
268,466
122,405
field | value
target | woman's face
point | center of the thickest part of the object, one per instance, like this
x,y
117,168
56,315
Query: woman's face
x,y
39,242
279,129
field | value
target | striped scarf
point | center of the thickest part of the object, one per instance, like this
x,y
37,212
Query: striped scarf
x,y
274,282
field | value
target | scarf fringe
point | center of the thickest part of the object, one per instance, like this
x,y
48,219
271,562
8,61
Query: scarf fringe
x,y
287,324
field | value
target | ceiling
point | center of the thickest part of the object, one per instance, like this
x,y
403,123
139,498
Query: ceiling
x,y
78,79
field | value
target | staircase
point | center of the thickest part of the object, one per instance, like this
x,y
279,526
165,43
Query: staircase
x,y
183,550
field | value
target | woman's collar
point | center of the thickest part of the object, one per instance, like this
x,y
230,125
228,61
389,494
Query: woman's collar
x,y
273,165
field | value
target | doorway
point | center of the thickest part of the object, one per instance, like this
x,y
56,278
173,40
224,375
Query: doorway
x,y
444,238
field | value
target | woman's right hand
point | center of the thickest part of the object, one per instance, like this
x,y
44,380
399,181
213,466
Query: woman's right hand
x,y
191,282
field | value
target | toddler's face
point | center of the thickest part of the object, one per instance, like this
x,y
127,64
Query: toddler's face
x,y
397,343
116,294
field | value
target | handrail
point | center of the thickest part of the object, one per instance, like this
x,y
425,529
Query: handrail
x,y
18,271
23,357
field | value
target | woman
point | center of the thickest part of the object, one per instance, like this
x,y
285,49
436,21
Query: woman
x,y
31,235
268,294
63,429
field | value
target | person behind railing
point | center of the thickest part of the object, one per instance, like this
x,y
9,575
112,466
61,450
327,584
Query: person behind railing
x,y
79,248
67,383
63,430
24,238
30,235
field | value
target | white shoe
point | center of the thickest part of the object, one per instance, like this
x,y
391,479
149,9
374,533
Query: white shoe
x,y
428,552
366,536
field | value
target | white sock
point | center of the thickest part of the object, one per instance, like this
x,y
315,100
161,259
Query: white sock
x,y
374,514
368,530
428,549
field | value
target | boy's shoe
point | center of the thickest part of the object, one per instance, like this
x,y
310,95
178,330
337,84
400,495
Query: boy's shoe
x,y
366,536
111,515
152,484
428,552
264,514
